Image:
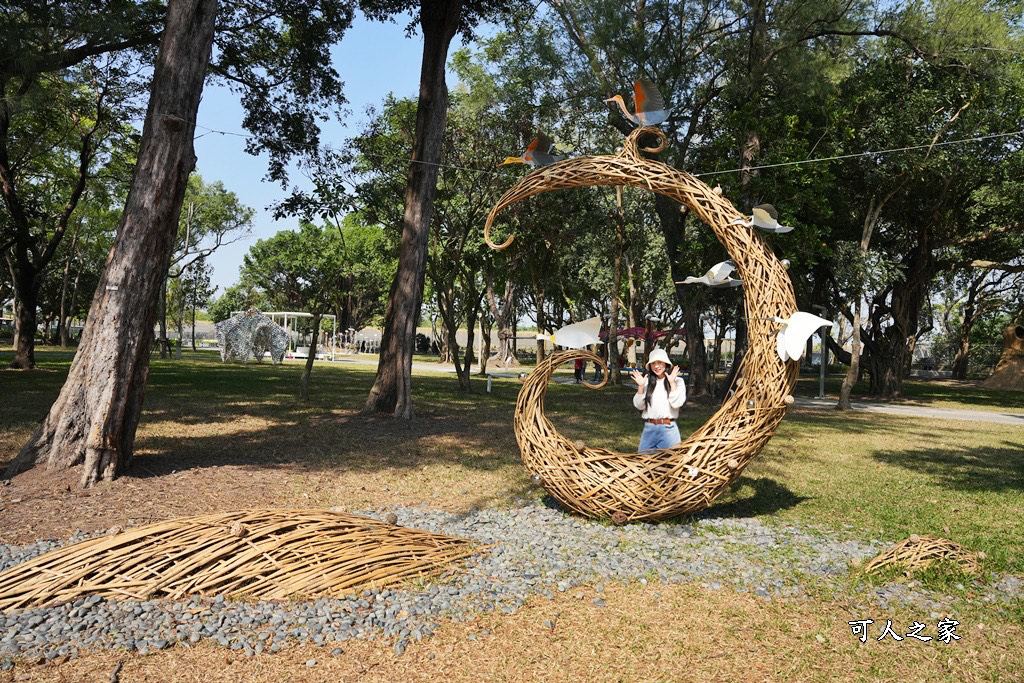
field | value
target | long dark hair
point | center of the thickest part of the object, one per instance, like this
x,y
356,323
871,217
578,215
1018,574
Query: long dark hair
x,y
652,381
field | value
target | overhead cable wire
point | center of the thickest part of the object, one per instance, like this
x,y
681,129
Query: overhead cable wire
x,y
813,160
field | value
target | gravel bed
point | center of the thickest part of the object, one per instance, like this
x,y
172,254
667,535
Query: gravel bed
x,y
540,550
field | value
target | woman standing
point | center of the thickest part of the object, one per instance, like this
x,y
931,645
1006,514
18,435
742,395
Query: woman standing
x,y
659,396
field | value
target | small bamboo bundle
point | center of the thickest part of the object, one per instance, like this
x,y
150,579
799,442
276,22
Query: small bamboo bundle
x,y
266,554
919,552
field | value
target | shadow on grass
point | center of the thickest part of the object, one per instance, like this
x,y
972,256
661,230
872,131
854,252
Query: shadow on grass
x,y
990,469
769,496
200,413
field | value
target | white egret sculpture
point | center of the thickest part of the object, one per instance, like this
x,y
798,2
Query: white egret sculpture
x,y
576,336
719,275
796,330
765,217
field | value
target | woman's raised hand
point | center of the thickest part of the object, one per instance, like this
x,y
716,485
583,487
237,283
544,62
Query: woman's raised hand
x,y
638,378
673,375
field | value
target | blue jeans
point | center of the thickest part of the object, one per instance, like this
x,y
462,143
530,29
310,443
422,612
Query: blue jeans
x,y
659,436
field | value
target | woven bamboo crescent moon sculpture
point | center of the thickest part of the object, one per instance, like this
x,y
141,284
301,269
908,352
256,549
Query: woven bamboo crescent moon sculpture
x,y
664,483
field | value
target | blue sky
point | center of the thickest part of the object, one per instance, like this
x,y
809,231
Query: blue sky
x,y
373,59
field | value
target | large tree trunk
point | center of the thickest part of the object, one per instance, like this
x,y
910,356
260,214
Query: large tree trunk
x,y
888,368
25,302
95,417
392,388
304,382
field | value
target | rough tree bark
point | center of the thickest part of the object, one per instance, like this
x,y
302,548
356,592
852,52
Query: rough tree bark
x,y
392,388
95,417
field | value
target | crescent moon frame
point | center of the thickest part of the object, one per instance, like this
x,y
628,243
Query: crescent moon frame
x,y
598,482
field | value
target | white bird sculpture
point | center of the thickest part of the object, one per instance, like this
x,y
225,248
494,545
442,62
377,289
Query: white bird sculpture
x,y
577,335
796,329
719,275
764,216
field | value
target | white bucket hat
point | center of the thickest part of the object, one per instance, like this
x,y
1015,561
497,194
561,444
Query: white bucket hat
x,y
659,354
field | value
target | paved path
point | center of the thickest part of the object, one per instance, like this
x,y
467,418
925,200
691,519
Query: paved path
x,y
920,411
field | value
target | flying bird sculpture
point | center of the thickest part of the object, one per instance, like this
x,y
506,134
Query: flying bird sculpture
x,y
649,105
796,329
765,216
538,153
576,336
719,275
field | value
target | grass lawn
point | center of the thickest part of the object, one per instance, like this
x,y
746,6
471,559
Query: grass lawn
x,y
217,437
876,476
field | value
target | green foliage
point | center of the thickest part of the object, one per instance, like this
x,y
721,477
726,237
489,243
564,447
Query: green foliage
x,y
238,297
296,270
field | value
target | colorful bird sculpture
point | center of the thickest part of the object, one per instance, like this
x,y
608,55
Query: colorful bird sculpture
x,y
796,329
538,153
719,275
577,335
650,107
764,216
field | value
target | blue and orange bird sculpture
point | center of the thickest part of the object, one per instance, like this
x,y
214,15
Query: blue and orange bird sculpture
x,y
649,105
538,153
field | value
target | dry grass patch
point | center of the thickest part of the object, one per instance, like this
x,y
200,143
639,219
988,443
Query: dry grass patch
x,y
653,633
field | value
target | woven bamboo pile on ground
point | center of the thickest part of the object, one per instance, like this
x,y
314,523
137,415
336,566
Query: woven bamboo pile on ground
x,y
920,552
669,482
265,554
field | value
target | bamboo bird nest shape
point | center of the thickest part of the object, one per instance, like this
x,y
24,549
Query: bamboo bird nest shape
x,y
920,552
265,554
598,482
